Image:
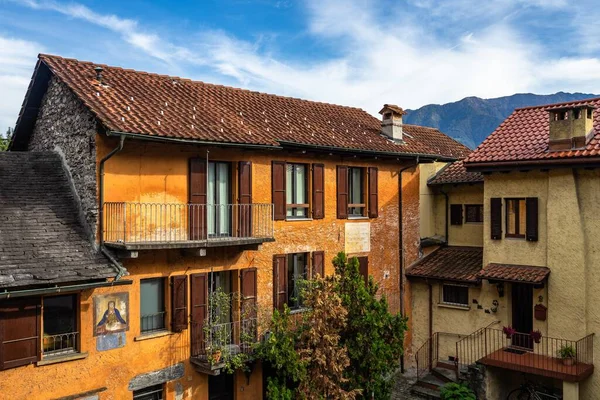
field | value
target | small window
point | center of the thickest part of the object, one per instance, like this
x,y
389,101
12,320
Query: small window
x,y
577,113
297,274
515,218
149,393
455,295
152,305
589,113
474,213
61,335
296,191
356,189
387,115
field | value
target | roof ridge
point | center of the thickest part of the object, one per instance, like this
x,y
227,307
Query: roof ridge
x,y
550,105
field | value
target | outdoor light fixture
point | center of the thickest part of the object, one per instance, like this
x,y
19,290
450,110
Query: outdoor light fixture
x,y
500,287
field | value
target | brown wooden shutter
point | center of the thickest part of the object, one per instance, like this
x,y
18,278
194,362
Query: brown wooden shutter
x,y
248,277
363,268
456,214
496,218
373,196
342,191
531,209
245,198
19,332
199,312
179,303
318,186
318,263
278,189
280,286
197,190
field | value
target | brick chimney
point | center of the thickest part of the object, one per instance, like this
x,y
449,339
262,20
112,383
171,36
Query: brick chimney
x,y
570,127
391,121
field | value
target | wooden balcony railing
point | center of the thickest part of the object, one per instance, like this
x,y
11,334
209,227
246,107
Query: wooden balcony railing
x,y
521,352
136,226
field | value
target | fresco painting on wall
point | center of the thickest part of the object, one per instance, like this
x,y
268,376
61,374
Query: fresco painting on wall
x,y
111,320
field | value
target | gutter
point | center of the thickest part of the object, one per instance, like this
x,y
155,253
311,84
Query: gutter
x,y
59,289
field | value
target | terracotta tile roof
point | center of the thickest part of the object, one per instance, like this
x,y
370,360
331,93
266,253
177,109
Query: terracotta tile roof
x,y
524,136
452,263
514,273
455,173
157,105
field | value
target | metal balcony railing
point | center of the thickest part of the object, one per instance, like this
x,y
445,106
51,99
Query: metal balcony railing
x,y
217,343
62,343
148,223
545,356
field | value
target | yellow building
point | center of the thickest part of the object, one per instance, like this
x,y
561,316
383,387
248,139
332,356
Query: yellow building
x,y
529,319
198,190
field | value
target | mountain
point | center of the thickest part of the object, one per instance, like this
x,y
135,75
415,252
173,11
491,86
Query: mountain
x,y
472,119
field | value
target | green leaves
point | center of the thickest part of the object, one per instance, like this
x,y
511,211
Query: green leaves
x,y
456,391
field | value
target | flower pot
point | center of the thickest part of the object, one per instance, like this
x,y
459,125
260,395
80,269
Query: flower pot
x,y
216,356
509,335
537,340
568,361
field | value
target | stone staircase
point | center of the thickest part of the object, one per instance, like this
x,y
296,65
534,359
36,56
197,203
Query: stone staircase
x,y
428,386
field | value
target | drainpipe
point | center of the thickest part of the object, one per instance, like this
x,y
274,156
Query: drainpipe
x,y
401,252
120,270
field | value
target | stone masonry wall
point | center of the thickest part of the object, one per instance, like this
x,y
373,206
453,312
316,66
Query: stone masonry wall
x,y
66,126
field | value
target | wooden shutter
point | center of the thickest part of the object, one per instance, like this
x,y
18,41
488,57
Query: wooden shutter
x,y
363,268
248,277
197,190
199,312
178,303
496,218
456,214
278,189
318,263
373,197
318,187
245,198
531,209
280,286
342,191
19,332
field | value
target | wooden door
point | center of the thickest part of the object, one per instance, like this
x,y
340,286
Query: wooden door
x,y
522,314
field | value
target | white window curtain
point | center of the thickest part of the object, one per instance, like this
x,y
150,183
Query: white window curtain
x,y
219,210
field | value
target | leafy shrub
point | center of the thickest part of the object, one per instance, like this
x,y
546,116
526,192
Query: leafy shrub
x,y
456,391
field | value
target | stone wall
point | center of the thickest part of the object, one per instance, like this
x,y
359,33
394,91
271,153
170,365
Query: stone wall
x,y
66,126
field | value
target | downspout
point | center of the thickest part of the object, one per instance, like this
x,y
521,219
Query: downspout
x,y
120,270
401,249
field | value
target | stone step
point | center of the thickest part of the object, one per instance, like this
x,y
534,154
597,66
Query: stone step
x,y
430,381
425,393
446,375
447,365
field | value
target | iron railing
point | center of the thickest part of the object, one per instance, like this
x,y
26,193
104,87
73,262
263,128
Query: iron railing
x,y
136,223
526,353
62,343
428,355
153,322
217,343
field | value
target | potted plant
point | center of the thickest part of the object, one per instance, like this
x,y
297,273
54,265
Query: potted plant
x,y
536,335
567,354
217,326
509,331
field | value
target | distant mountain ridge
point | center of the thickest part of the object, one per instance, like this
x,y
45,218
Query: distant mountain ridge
x,y
472,119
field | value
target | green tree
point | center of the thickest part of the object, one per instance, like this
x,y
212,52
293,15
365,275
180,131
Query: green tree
x,y
373,337
4,142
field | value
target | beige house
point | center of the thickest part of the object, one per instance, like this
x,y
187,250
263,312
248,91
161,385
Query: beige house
x,y
528,315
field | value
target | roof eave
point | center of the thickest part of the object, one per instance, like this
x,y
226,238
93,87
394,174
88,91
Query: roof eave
x,y
496,166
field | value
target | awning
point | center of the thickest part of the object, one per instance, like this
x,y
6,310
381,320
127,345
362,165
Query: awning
x,y
452,263
515,273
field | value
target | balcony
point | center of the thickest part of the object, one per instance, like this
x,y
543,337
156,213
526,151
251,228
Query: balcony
x,y
522,353
147,226
215,345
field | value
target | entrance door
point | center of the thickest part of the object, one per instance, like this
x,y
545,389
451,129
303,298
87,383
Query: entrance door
x,y
522,314
220,387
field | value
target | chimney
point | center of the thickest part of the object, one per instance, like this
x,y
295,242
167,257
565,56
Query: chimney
x,y
391,121
570,127
99,74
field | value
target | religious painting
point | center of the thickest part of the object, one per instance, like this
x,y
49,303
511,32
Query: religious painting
x,y
111,313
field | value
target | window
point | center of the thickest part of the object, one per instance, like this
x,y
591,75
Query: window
x,y
296,191
297,273
152,305
149,393
219,199
60,325
220,281
515,218
356,201
474,212
455,295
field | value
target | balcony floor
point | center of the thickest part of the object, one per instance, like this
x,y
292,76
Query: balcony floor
x,y
188,244
538,364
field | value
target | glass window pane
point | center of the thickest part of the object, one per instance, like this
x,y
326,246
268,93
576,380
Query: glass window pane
x,y
223,198
511,228
152,304
59,314
296,274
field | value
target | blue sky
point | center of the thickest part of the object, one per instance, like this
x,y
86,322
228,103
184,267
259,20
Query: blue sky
x,y
360,53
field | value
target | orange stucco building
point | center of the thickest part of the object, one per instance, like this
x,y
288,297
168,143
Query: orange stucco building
x,y
194,189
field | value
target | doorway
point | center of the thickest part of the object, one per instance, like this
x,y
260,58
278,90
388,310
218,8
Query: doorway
x,y
522,314
220,387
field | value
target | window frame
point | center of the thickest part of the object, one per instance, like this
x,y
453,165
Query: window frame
x,y
363,204
518,234
479,213
291,286
450,303
149,391
164,327
296,206
217,200
76,333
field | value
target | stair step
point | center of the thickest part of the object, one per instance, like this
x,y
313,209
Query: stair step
x,y
425,393
447,375
447,365
430,381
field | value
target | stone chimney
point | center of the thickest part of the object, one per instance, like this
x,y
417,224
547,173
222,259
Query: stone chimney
x,y
391,121
570,127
